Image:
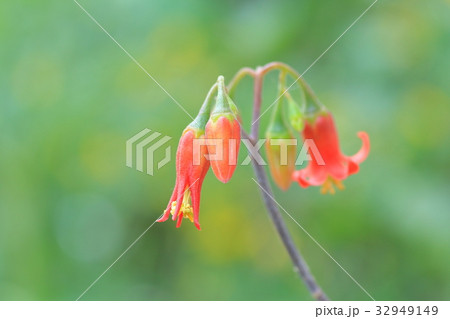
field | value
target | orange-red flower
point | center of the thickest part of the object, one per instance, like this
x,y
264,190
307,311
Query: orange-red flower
x,y
223,133
281,168
281,153
226,130
335,166
191,168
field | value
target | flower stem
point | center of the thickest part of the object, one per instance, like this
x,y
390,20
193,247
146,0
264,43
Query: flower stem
x,y
203,115
300,265
237,78
257,98
307,91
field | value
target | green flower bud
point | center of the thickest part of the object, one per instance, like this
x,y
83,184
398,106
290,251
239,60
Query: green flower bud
x,y
281,148
295,116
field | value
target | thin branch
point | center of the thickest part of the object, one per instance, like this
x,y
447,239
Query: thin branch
x,y
238,77
300,265
257,98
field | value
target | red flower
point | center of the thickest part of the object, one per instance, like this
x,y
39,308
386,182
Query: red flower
x,y
191,168
281,171
226,130
335,166
223,133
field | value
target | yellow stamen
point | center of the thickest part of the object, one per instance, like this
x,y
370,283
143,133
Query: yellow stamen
x,y
328,186
185,208
339,184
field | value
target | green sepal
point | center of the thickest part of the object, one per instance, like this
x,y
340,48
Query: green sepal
x,y
295,116
278,127
233,108
199,123
224,106
230,116
312,107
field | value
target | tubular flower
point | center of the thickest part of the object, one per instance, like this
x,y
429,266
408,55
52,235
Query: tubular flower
x,y
281,157
192,164
280,150
191,168
223,133
335,166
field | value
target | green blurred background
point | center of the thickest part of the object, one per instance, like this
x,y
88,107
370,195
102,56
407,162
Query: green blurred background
x,y
70,98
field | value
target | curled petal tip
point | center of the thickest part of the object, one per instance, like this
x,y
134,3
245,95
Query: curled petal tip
x,y
303,183
298,177
353,167
197,225
362,154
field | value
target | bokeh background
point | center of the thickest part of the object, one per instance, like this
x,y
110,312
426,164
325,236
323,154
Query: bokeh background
x,y
70,98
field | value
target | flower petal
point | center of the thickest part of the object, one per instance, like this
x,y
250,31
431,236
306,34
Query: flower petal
x,y
169,206
180,219
339,169
180,196
195,198
299,177
306,178
364,151
353,167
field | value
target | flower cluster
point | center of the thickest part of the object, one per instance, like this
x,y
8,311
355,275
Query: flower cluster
x,y
327,168
195,154
213,140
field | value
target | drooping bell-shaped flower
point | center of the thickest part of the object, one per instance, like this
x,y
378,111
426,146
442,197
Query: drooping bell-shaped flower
x,y
192,165
332,167
281,147
223,133
191,168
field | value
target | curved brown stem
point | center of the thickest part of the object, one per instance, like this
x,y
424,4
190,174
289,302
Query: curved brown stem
x,y
300,265
257,99
297,259
297,76
238,77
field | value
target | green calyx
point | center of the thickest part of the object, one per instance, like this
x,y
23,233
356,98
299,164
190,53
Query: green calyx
x,y
224,106
278,127
313,114
312,107
295,115
311,117
199,123
197,131
215,117
233,108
